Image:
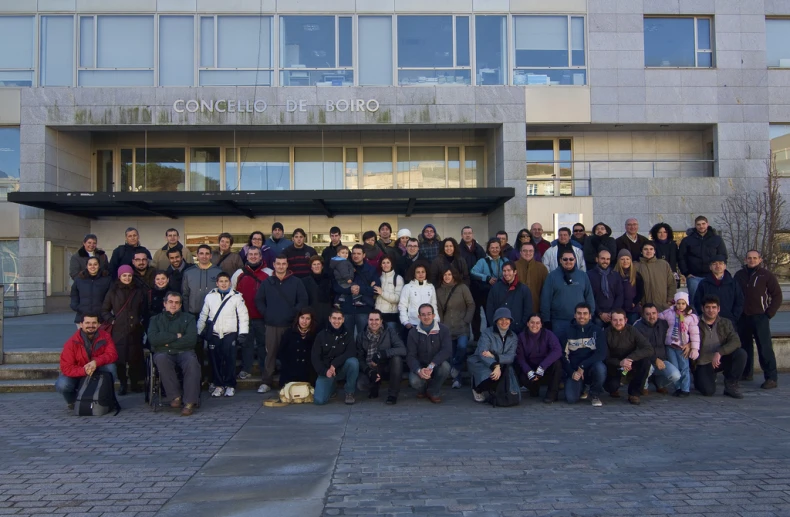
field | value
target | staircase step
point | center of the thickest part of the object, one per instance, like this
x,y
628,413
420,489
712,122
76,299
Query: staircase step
x,y
29,371
25,386
32,357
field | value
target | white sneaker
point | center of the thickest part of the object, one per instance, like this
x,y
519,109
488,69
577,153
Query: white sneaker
x,y
596,402
218,391
264,388
479,397
454,373
456,385
229,392
243,375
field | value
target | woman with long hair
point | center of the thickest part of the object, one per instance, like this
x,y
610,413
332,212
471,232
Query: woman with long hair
x,y
456,309
388,295
449,257
295,348
89,289
633,285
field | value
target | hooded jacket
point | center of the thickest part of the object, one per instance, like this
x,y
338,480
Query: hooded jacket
x,y
762,293
593,244
615,299
123,256
195,285
161,261
457,309
728,291
558,299
414,294
504,352
628,343
390,345
430,249
88,292
537,350
279,300
659,282
74,356
516,297
423,348
532,274
697,251
79,261
584,346
665,250
176,276
164,329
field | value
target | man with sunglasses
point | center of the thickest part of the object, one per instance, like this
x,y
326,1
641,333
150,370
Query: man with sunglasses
x,y
565,288
579,234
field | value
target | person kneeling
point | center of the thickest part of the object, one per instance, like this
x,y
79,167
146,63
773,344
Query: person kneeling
x,y
629,358
380,353
582,360
428,346
496,348
172,336
720,351
333,358
538,359
88,350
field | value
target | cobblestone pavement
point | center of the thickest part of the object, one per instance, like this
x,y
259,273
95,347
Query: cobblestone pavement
x,y
693,457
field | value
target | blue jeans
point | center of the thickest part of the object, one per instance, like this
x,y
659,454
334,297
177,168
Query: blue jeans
x,y
324,386
433,386
691,284
681,365
67,386
459,354
594,376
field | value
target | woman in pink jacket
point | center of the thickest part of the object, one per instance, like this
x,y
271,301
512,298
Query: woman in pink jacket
x,y
682,340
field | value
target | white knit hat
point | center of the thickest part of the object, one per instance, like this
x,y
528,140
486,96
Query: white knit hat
x,y
403,232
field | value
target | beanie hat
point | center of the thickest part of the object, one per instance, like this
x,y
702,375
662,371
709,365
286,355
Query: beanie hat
x,y
125,269
502,312
624,253
278,226
404,232
680,295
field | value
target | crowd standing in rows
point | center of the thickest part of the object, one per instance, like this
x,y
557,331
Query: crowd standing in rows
x,y
589,312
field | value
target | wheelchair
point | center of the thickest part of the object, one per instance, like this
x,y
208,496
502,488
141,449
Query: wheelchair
x,y
154,391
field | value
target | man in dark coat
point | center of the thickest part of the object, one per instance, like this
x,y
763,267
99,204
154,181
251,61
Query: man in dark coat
x,y
631,240
696,252
380,352
720,283
607,287
629,358
123,255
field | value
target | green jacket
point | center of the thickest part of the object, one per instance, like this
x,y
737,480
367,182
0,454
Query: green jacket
x,y
163,330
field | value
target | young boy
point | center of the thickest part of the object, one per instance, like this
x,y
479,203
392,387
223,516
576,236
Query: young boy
x,y
343,271
225,308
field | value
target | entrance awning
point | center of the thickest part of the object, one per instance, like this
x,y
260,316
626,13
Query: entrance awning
x,y
329,203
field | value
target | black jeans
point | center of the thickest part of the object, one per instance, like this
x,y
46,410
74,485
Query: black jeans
x,y
222,351
551,378
636,377
392,370
758,328
480,299
732,366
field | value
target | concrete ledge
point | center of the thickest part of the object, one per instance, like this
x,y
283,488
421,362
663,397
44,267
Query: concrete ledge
x,y
782,351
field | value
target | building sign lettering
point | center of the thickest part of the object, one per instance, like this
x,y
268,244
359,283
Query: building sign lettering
x,y
260,106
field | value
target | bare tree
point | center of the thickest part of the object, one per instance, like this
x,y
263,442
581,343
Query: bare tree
x,y
753,219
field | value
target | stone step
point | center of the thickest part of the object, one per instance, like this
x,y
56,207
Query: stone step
x,y
26,386
32,357
29,371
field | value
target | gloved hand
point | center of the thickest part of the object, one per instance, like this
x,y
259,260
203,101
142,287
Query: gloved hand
x,y
241,339
531,375
379,357
694,355
540,372
373,376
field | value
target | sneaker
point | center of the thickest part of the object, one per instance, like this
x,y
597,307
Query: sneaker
x,y
264,388
391,401
454,373
218,391
634,399
732,389
244,375
596,402
585,394
70,407
769,384
229,392
684,394
456,384
479,397
350,398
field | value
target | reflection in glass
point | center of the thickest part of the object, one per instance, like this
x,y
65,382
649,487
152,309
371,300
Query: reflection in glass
x,y
9,263
425,41
204,169
127,170
176,50
207,41
545,76
86,42
375,50
113,37
377,168
453,167
318,168
307,42
462,41
243,42
317,77
577,41
231,169
56,51
777,35
421,167
669,42
352,169
17,39
345,42
541,41
780,148
434,77
104,180
9,160
491,49
265,168
160,169
235,77
474,167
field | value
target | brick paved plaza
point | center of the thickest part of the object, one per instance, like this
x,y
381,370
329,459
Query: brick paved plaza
x,y
693,457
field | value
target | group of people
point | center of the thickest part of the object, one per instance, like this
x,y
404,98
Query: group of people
x,y
588,311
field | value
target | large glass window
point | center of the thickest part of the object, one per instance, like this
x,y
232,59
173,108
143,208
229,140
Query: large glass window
x,y
56,67
474,167
549,167
176,50
316,51
265,168
9,263
491,49
421,167
549,50
17,39
352,169
318,168
377,168
243,55
204,169
433,50
160,169
104,171
780,148
107,57
678,42
375,50
9,160
777,35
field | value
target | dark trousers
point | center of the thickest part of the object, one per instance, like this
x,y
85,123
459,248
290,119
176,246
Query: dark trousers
x,y
256,342
636,377
391,370
200,354
274,336
223,360
758,328
187,362
480,299
551,378
732,366
131,353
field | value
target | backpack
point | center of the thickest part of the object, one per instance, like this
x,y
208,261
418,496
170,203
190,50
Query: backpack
x,y
293,393
507,392
96,395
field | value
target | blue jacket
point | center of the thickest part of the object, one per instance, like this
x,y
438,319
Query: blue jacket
x,y
615,300
584,347
729,292
558,300
277,247
365,274
482,272
279,300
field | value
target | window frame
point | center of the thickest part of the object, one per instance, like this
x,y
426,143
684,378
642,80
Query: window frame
x,y
453,16
557,179
512,49
775,18
283,70
35,66
697,50
154,69
273,47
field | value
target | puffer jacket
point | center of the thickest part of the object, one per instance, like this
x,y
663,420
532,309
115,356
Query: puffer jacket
x,y
88,292
659,282
233,318
697,251
456,310
593,243
391,288
691,334
247,282
413,295
423,348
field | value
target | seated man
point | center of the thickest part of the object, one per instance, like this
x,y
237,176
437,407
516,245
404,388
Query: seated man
x,y
582,359
538,359
720,351
655,331
629,358
496,349
380,352
334,358
89,349
429,346
172,336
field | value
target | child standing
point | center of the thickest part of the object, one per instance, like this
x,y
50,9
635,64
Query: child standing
x,y
682,340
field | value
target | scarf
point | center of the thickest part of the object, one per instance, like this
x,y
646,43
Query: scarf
x,y
223,293
87,342
568,275
563,248
605,281
427,329
373,340
679,329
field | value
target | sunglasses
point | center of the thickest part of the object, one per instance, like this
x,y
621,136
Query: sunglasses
x,y
578,231
568,260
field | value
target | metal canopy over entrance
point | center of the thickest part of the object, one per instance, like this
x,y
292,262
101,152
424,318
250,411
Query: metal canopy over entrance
x,y
329,203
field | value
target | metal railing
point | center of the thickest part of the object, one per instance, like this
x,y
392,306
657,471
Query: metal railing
x,y
16,294
575,177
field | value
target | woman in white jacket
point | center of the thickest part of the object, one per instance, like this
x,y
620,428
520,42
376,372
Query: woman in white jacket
x,y
414,294
230,325
389,293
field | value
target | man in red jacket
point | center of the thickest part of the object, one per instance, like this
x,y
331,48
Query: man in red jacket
x,y
247,283
88,350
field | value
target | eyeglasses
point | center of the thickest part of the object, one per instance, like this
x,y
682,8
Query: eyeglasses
x,y
412,246
578,231
568,259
